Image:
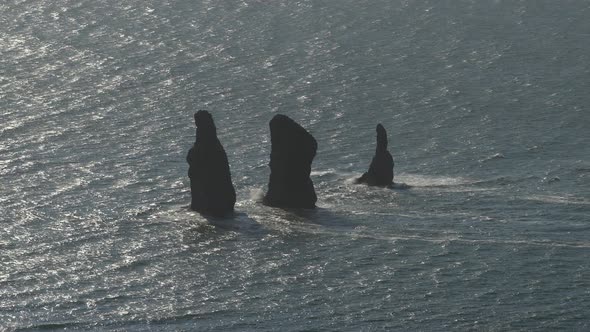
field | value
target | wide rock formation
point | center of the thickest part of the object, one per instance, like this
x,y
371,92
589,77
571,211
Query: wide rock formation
x,y
212,189
292,153
380,171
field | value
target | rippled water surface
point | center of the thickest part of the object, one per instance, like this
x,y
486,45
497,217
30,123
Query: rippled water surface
x,y
486,105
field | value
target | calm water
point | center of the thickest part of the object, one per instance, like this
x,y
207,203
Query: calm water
x,y
486,105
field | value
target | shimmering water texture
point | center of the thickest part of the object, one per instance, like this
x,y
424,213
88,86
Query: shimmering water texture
x,y
485,104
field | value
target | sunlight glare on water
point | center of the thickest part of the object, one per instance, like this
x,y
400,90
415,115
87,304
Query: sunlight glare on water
x,y
486,112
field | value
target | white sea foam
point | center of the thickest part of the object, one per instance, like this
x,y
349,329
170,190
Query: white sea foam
x,y
559,199
257,194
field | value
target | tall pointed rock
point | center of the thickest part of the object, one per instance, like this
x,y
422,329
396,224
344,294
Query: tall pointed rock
x,y
292,153
212,189
380,171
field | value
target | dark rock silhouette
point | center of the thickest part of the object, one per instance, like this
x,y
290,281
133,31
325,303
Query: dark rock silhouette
x,y
292,153
212,190
380,171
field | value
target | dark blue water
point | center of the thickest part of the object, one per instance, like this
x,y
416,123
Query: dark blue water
x,y
486,105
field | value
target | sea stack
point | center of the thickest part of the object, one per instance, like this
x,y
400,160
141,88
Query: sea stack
x,y
292,153
212,189
380,171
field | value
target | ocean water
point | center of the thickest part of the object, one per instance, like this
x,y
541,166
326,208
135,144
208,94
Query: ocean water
x,y
487,108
